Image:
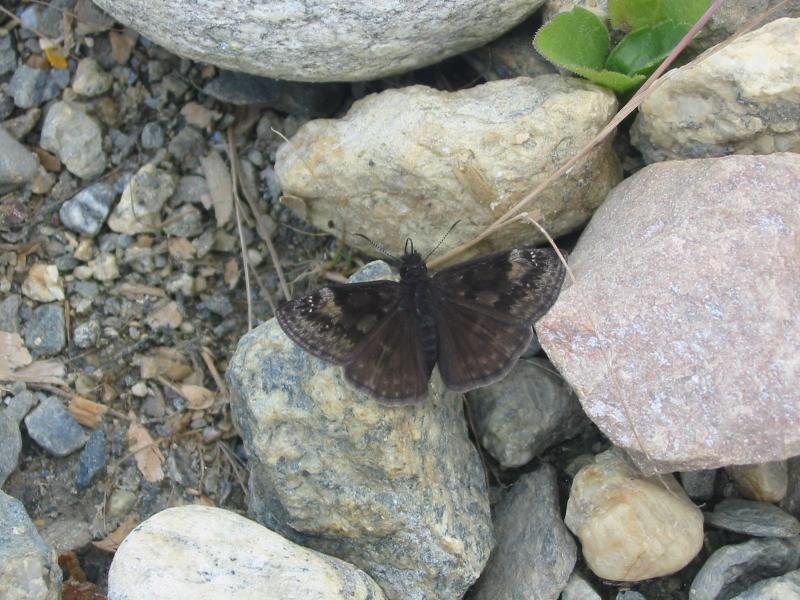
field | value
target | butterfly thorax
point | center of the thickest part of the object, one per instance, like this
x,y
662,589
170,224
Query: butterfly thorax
x,y
416,298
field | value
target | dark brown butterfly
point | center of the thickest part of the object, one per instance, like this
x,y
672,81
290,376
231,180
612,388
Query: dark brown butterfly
x,y
473,319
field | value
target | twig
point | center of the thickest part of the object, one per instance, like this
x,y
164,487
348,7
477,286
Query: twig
x,y
239,229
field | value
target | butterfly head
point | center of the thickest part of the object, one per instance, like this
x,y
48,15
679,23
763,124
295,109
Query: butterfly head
x,y
412,265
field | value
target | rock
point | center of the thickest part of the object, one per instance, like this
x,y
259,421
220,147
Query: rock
x,y
632,527
165,315
46,331
87,210
9,313
139,209
43,283
86,334
104,267
33,87
67,535
208,553
192,189
753,518
18,165
535,553
767,482
152,136
292,97
530,410
699,485
786,587
76,138
405,162
733,569
93,460
366,41
10,445
218,304
198,115
23,124
53,427
8,55
791,501
185,222
28,566
630,595
578,588
90,79
397,491
684,395
750,81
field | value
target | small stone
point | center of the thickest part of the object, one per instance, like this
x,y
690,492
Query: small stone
x,y
198,115
22,125
630,595
9,313
218,304
84,251
186,222
699,485
18,165
152,136
578,588
86,334
139,209
139,389
90,79
10,445
753,518
786,587
167,315
43,283
182,284
43,181
187,145
87,210
8,55
66,535
766,482
6,103
121,502
192,189
652,525
45,334
93,460
76,138
104,267
733,569
32,87
53,427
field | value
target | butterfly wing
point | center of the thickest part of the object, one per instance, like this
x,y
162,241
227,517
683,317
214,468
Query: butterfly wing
x,y
485,310
336,322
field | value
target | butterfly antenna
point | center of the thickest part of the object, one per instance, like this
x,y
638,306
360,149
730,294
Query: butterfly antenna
x,y
377,246
444,237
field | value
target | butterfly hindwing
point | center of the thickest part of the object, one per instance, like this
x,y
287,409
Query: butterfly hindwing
x,y
336,322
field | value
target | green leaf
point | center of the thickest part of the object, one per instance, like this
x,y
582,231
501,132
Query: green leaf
x,y
576,38
616,82
683,11
642,13
641,51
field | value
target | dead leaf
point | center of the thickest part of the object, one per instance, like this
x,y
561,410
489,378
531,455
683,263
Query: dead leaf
x,y
166,362
181,249
87,412
220,185
56,59
16,365
148,456
111,542
49,160
167,314
13,353
197,397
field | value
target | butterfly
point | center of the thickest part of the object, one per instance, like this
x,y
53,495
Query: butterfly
x,y
473,319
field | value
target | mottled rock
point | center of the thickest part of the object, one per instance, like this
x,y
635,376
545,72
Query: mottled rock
x,y
9,313
139,209
91,79
86,334
43,283
754,82
667,286
185,222
104,267
76,138
733,569
632,527
18,165
578,588
152,136
767,482
45,334
66,535
28,566
23,124
53,427
87,210
208,553
93,459
753,518
284,40
699,485
397,491
525,413
786,587
33,87
8,55
534,554
407,162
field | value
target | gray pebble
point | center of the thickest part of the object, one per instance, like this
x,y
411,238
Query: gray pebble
x,y
9,313
6,102
87,210
66,535
187,145
45,334
753,518
10,445
86,289
190,190
33,87
630,595
65,263
186,222
53,427
8,55
86,334
578,589
218,304
733,569
699,485
786,587
152,136
93,460
18,165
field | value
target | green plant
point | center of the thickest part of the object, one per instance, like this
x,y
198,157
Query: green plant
x,y
579,41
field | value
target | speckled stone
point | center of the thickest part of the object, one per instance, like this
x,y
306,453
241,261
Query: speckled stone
x,y
53,427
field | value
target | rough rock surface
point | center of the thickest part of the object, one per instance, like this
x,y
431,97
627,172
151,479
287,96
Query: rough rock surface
x,y
744,99
668,284
207,553
408,162
76,138
285,39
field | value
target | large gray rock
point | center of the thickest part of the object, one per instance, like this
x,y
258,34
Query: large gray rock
x,y
284,39
744,99
409,162
397,491
535,552
207,553
28,566
658,336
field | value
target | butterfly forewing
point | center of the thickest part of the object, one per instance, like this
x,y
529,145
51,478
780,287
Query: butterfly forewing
x,y
336,322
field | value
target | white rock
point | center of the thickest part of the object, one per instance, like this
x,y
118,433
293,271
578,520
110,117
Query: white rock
x,y
139,208
90,78
668,283
43,283
105,267
206,553
321,40
766,482
632,527
76,138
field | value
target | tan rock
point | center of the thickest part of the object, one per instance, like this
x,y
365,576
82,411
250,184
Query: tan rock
x,y
43,283
139,208
766,482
